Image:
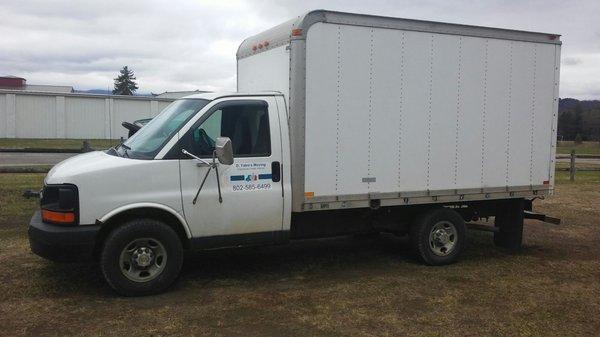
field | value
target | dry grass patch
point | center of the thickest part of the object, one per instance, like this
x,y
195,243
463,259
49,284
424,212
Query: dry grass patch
x,y
565,147
342,286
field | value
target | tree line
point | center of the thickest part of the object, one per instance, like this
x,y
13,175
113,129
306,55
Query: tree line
x,y
578,120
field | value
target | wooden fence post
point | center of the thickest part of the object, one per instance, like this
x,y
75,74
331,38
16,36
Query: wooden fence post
x,y
572,168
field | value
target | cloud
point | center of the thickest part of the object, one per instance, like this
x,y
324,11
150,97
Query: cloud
x,y
178,45
571,61
579,76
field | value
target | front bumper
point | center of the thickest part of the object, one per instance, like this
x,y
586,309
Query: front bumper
x,y
61,243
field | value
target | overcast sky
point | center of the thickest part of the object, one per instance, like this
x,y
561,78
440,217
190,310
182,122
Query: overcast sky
x,y
187,45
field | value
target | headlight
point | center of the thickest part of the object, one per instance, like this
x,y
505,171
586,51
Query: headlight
x,y
60,204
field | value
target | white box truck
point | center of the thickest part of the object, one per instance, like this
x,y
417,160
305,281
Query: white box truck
x,y
343,123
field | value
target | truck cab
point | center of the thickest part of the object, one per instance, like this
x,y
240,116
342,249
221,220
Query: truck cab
x,y
136,206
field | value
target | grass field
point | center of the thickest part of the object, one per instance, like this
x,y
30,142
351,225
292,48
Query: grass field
x,y
334,287
565,147
11,143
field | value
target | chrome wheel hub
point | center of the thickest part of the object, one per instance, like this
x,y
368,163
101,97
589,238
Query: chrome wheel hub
x,y
143,256
442,238
143,259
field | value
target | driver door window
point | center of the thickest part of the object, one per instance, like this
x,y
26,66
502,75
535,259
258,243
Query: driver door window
x,y
246,124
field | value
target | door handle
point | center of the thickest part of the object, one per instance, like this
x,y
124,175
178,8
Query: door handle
x,y
276,171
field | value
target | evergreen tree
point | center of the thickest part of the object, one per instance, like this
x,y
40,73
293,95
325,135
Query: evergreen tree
x,y
125,83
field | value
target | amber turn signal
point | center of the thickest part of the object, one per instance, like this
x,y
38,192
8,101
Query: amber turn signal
x,y
58,217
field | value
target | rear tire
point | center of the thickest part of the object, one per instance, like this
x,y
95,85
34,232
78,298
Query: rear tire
x,y
141,257
438,236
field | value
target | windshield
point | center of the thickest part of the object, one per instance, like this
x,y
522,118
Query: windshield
x,y
148,141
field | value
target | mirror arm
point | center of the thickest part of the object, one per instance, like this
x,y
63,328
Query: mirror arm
x,y
201,185
216,167
212,165
184,151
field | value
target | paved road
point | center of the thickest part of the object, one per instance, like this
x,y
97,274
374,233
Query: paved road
x,y
32,159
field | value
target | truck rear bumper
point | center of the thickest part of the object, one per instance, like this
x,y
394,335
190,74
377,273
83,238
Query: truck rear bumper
x,y
61,244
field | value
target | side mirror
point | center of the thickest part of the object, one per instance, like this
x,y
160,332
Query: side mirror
x,y
224,150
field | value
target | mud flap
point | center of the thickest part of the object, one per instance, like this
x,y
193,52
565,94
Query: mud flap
x,y
509,221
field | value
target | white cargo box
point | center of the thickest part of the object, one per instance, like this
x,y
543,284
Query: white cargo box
x,y
404,111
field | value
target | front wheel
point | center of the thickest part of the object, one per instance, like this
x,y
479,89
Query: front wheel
x,y
438,236
141,257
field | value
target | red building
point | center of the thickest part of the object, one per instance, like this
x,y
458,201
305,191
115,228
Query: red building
x,y
12,82
19,83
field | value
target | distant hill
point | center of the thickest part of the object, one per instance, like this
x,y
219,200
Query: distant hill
x,y
565,104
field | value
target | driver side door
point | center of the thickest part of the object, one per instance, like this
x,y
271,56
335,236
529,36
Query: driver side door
x,y
252,196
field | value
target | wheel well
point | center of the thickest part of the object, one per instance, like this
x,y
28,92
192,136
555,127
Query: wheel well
x,y
144,212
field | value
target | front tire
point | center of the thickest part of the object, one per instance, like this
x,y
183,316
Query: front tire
x,y
141,257
438,236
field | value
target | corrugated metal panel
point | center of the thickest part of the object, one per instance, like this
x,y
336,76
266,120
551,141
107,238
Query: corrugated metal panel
x,y
162,105
470,103
36,116
3,117
78,116
84,118
391,111
445,51
413,154
127,110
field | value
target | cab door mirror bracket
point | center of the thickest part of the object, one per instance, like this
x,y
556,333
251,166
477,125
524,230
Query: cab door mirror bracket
x,y
211,165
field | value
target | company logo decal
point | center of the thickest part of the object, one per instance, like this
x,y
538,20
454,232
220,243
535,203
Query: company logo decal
x,y
248,177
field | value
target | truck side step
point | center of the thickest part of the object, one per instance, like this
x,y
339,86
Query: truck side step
x,y
541,217
480,227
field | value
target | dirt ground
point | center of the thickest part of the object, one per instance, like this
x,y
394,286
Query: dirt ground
x,y
332,287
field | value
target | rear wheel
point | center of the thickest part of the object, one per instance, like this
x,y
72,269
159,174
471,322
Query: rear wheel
x,y
141,257
438,236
